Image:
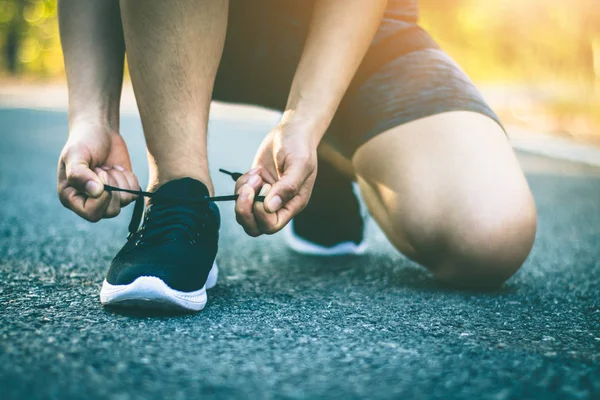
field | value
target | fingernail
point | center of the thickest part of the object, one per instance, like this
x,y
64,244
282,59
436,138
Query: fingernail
x,y
93,188
275,203
254,171
105,167
103,177
265,190
119,168
254,180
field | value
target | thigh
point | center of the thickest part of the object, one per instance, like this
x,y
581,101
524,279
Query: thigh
x,y
415,85
451,175
432,159
265,39
262,49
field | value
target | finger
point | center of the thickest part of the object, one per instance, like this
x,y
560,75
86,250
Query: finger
x,y
80,176
121,182
86,207
132,182
74,201
243,211
267,222
286,188
290,210
251,178
114,203
61,180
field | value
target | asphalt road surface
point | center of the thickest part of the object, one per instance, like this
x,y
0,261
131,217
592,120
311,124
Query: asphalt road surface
x,y
279,325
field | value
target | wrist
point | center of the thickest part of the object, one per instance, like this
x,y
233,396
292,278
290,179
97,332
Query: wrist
x,y
104,113
311,126
103,123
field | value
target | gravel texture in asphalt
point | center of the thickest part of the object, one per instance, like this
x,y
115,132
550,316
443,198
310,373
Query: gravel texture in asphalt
x,y
280,325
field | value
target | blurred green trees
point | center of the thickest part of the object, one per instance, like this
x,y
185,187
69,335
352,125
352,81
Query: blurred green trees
x,y
494,40
29,38
544,53
522,40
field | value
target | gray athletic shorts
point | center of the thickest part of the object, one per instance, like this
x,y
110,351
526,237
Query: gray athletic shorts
x,y
403,77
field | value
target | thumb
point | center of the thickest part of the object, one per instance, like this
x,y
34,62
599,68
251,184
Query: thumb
x,y
286,188
81,177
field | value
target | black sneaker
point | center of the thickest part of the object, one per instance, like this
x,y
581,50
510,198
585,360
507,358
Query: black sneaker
x,y
168,262
331,224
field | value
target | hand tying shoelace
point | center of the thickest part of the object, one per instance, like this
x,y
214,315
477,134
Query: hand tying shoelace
x,y
138,210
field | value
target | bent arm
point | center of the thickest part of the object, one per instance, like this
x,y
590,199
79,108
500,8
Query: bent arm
x,y
94,50
339,36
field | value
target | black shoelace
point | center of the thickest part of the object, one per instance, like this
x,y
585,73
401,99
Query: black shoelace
x,y
138,210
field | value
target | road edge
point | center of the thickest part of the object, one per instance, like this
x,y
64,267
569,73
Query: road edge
x,y
54,98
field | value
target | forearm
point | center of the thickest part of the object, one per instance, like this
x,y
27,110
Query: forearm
x,y
339,36
92,39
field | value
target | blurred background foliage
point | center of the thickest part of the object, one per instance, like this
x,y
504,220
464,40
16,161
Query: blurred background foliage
x,y
538,60
29,38
520,41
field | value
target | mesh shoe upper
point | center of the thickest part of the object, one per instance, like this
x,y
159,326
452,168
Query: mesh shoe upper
x,y
332,215
177,242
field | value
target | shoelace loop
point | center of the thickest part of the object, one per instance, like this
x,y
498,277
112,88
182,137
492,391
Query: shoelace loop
x,y
138,210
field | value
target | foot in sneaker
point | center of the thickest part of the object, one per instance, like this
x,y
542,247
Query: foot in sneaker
x,y
331,224
168,262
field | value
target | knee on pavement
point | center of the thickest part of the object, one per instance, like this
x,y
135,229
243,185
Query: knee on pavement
x,y
476,246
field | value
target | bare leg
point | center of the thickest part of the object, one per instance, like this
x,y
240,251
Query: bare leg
x,y
448,192
173,50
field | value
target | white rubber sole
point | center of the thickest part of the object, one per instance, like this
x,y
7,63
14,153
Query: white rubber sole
x,y
303,246
150,292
